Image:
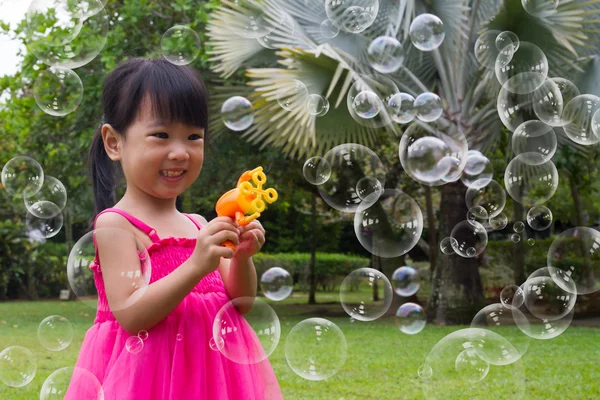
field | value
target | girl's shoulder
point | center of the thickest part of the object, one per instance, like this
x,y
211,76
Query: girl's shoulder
x,y
199,218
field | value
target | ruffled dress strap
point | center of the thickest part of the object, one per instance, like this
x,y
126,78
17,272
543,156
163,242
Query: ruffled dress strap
x,y
151,232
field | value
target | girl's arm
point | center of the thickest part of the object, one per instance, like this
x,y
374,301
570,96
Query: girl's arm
x,y
243,280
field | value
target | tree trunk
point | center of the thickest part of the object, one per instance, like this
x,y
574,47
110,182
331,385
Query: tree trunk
x,y
456,289
312,277
433,247
69,241
579,217
518,249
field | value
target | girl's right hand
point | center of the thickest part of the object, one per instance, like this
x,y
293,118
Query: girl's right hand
x,y
208,251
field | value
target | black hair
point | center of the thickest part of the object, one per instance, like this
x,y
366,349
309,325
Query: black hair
x,y
177,95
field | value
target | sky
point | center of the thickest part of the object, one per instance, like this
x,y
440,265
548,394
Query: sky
x,y
11,11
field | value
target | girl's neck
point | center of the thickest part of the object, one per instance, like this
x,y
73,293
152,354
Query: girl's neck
x,y
140,202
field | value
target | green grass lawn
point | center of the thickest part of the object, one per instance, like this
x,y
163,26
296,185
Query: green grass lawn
x,y
382,362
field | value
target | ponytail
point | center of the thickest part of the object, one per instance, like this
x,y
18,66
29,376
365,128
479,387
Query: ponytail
x,y
102,172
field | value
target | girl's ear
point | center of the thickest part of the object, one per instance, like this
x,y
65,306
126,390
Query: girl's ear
x,y
112,142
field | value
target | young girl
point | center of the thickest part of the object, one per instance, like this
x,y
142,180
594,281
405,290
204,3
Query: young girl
x,y
155,126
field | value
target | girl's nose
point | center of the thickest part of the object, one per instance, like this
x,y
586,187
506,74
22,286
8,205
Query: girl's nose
x,y
179,154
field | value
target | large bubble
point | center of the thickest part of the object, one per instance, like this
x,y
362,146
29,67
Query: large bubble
x,y
548,103
544,295
514,109
312,166
248,338
368,100
55,333
180,45
525,72
499,221
54,21
427,32
316,349
52,191
405,281
428,107
539,218
388,224
478,169
534,142
348,163
402,108
410,318
576,252
366,294
530,184
540,8
276,283
317,105
470,367
490,196
18,366
470,239
71,381
237,113
352,16
44,220
487,51
22,176
578,115
292,95
385,54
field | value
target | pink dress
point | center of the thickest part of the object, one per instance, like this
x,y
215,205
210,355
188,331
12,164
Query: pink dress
x,y
176,361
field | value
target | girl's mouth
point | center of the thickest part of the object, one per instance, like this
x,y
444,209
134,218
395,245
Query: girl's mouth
x,y
172,176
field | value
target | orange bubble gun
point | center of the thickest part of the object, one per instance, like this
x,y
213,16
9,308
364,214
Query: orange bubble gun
x,y
246,202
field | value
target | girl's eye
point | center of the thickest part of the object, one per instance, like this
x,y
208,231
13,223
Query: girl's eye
x,y
161,135
195,137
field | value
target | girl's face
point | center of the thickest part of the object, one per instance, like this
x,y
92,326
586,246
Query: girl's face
x,y
161,158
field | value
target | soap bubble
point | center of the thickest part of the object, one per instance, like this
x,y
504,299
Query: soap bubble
x,y
358,289
499,221
575,251
518,227
534,142
312,166
369,186
216,345
402,106
78,382
292,95
470,239
478,170
596,123
470,367
515,237
405,281
251,20
567,89
388,224
577,115
22,176
531,241
428,107
18,366
530,185
512,296
549,293
58,91
55,333
367,105
317,105
180,45
237,113
329,29
477,214
285,25
424,157
425,371
450,382
82,265
427,32
539,218
487,51
316,349
134,344
249,338
52,191
50,220
514,109
507,38
526,70
490,196
143,334
276,284
348,164
540,8
353,16
543,329
385,54
53,20
447,245
548,103
410,318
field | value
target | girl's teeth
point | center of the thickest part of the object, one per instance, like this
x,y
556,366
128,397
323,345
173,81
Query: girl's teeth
x,y
172,174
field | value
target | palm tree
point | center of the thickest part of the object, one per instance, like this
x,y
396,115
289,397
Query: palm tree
x,y
329,66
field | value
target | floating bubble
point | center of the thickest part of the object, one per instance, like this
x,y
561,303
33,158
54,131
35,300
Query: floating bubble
x,y
134,344
82,265
358,290
385,54
515,109
427,32
512,296
534,142
248,338
53,20
539,218
316,349
576,252
367,105
216,345
424,157
568,89
540,8
525,72
251,21
447,245
329,29
348,163
477,214
49,224
487,51
237,113
371,109
405,281
530,185
478,170
317,105
428,107
548,103
544,295
52,191
71,381
312,166
22,176
490,196
507,38
143,334
58,91
276,284
515,237
18,366
402,106
285,25
55,333
470,239
292,95
531,241
388,224
499,221
369,186
578,115
596,123
180,45
410,318
179,337
425,371
352,16
470,367
518,227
